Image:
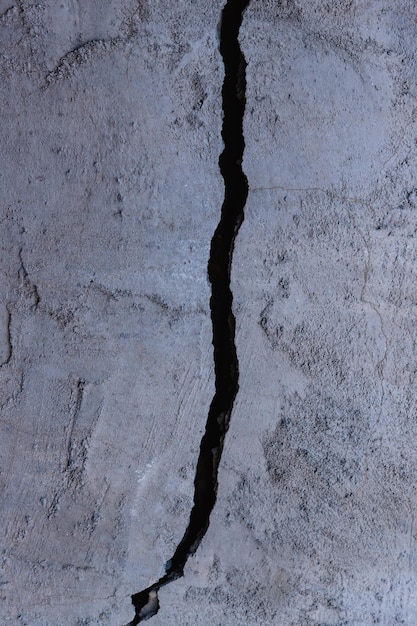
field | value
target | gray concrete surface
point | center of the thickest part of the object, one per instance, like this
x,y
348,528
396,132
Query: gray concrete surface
x,y
110,134
315,519
110,137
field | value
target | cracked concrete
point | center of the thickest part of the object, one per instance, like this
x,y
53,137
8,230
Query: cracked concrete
x,y
111,194
316,525
104,262
226,366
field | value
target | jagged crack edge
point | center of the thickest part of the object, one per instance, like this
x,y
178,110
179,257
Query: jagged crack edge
x,y
226,365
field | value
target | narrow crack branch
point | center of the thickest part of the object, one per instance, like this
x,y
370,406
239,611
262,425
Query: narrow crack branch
x,y
226,365
9,344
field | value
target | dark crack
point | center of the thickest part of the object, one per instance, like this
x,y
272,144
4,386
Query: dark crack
x,y
226,367
9,344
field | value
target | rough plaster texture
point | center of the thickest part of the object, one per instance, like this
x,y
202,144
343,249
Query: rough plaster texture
x,y
110,136
315,518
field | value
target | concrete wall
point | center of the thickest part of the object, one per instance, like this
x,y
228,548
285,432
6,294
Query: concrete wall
x,y
111,192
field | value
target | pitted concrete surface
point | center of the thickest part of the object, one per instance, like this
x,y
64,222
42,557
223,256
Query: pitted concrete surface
x,y
111,134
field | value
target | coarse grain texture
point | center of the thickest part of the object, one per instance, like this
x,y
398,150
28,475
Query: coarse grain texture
x,y
110,134
110,137
315,518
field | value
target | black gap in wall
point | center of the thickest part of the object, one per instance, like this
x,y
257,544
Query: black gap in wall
x,y
226,367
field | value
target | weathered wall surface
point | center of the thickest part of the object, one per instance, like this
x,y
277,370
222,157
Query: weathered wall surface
x,y
315,519
111,118
110,138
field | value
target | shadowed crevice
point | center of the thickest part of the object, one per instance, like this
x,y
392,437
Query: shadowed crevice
x,y
226,367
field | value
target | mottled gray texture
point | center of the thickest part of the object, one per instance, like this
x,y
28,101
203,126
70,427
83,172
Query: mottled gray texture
x,y
110,135
315,519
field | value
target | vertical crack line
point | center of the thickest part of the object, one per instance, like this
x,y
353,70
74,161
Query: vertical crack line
x,y
226,366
